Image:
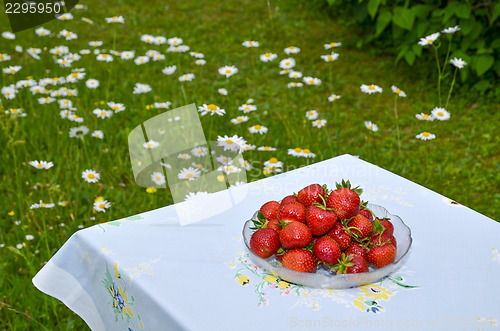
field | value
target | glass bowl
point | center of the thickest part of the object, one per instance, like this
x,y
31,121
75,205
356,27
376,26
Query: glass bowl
x,y
324,278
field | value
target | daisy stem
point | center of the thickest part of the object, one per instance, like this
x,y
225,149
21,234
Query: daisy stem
x,y
271,19
447,56
330,76
114,40
184,94
397,122
451,88
439,74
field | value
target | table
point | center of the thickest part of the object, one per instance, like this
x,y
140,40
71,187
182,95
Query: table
x,y
150,272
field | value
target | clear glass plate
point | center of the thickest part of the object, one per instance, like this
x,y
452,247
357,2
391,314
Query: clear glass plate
x,y
324,278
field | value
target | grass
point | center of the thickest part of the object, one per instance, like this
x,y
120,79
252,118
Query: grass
x,y
462,163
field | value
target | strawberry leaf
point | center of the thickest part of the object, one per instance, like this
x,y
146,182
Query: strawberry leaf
x,y
377,226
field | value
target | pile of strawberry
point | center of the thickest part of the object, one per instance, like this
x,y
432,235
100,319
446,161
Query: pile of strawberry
x,y
321,227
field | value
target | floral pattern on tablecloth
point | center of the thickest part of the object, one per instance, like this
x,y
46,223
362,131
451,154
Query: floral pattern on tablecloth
x,y
119,222
495,255
370,298
121,300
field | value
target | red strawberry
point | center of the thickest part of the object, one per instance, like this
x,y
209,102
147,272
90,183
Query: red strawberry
x,y
360,226
380,256
351,264
320,220
286,200
340,236
264,242
356,249
389,228
366,213
315,239
310,194
344,200
293,211
327,250
270,209
300,260
295,235
379,239
274,224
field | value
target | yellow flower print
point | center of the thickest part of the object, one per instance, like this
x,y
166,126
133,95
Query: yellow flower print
x,y
282,284
359,303
242,280
271,279
376,292
117,273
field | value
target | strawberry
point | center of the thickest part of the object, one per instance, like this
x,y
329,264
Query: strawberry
x,y
274,224
264,242
379,239
366,213
293,211
310,194
320,220
380,256
360,226
270,209
295,235
344,200
357,249
389,228
351,264
286,200
340,235
300,260
327,250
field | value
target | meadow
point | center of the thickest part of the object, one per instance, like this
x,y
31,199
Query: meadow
x,y
44,204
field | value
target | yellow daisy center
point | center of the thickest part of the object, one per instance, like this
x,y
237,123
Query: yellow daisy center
x,y
430,40
116,107
330,58
311,81
266,148
440,114
39,165
239,119
228,71
425,116
74,75
307,151
298,149
425,134
398,91
212,107
189,175
268,54
371,87
12,70
102,206
229,141
332,44
14,111
68,34
287,63
273,160
258,127
91,176
158,178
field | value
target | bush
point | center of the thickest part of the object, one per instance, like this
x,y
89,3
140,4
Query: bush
x,y
398,25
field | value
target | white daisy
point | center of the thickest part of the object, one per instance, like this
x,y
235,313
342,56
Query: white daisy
x,y
117,107
228,71
246,108
78,131
197,55
91,176
257,129
440,114
222,159
102,113
273,162
330,57
158,178
398,91
169,70
211,109
312,81
295,74
115,19
41,31
41,165
266,149
370,89
429,39
141,60
295,84
312,115
319,123
65,17
239,119
287,63
151,144
334,97
222,91
98,134
11,70
200,62
147,38
199,151
178,49
190,173
250,43
175,41
425,136
451,29
184,156
268,57
101,205
307,153
459,63
371,126
331,45
424,117
245,164
191,196
291,50
186,78
162,104
4,57
233,143
92,83
8,35
141,88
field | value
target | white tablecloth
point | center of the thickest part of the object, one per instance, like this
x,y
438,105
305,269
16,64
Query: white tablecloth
x,y
150,272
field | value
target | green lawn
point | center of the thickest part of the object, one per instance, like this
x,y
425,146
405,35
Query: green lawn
x,y
462,163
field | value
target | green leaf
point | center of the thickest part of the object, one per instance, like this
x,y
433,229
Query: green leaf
x,y
482,85
495,13
495,44
421,28
373,7
402,52
417,49
383,20
410,57
483,63
463,9
331,2
421,11
466,25
403,17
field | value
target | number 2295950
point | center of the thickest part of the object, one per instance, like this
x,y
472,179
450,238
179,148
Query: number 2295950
x,y
32,8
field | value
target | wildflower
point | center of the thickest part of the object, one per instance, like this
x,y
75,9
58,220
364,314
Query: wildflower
x,y
425,136
16,112
33,52
62,203
249,44
101,205
287,63
184,156
127,55
115,19
141,88
75,76
9,92
98,134
199,151
266,149
398,91
68,34
284,72
319,123
91,176
150,190
75,118
312,81
451,29
440,114
334,97
307,153
158,178
92,83
268,57
45,100
200,62
459,63
174,41
101,113
370,89
4,57
169,70
151,144
159,40
331,45
65,17
247,166
273,162
104,58
371,126
330,57
41,31
29,237
11,70
239,119
429,39
257,129
295,84
211,109
189,173
41,165
291,50
87,20
19,246
246,108
162,104
117,107
141,60
95,43
228,71
312,115
424,117
224,159
233,143
186,78
84,51
222,91
78,131
147,38
197,55
194,196
8,35
178,49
